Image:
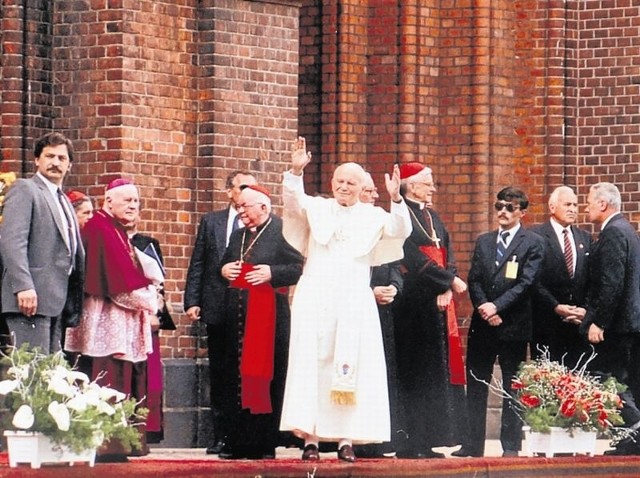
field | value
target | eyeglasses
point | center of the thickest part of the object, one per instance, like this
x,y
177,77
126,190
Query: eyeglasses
x,y
499,205
370,190
246,206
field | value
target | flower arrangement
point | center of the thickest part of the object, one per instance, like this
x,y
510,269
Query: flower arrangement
x,y
548,394
45,394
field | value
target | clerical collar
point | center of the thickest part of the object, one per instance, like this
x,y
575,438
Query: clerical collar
x,y
262,227
417,204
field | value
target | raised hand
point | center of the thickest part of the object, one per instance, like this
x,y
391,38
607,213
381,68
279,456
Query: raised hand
x,y
393,183
300,157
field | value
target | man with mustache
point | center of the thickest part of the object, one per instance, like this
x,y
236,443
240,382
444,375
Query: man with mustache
x,y
504,268
42,254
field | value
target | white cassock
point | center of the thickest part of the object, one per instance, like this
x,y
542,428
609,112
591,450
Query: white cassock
x,y
336,341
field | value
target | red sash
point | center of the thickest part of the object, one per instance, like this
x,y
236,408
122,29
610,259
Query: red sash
x,y
456,363
256,363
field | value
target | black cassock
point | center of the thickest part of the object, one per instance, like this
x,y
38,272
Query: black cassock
x,y
257,434
434,409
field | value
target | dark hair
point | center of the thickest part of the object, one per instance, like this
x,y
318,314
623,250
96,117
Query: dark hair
x,y
511,194
52,139
232,175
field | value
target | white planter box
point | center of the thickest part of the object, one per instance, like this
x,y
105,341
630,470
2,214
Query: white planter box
x,y
560,441
36,449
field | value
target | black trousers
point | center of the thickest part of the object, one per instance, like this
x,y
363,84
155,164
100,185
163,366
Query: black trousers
x,y
482,352
619,356
216,351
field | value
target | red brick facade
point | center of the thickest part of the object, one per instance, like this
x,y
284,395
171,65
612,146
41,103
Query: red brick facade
x,y
175,94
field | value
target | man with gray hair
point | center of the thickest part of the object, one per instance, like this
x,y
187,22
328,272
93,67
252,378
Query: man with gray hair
x,y
612,321
559,297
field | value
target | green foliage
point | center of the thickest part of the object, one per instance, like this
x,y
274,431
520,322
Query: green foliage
x,y
46,395
548,394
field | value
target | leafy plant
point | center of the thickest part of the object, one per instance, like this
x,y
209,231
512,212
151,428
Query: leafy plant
x,y
548,394
45,394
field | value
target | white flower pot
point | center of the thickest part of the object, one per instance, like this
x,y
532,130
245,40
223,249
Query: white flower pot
x,y
35,448
559,440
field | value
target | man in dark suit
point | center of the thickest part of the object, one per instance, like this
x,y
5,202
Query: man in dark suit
x,y
612,322
259,266
205,289
42,253
504,268
559,298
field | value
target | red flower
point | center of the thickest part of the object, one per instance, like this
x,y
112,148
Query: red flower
x,y
530,401
568,408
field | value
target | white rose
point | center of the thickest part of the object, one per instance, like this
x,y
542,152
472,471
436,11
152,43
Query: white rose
x,y
60,414
61,386
105,408
78,403
8,386
107,393
23,417
74,376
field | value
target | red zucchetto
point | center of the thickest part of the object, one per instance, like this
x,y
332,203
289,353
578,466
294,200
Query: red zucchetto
x,y
116,183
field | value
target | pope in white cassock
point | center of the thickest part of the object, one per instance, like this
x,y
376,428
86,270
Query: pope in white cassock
x,y
336,388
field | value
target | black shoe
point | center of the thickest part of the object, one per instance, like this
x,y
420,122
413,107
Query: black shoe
x,y
462,452
310,453
510,453
624,449
216,448
345,453
227,453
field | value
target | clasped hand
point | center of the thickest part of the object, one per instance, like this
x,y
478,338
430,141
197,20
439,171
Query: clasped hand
x,y
260,274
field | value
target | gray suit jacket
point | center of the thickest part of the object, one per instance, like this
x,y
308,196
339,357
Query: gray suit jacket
x,y
34,252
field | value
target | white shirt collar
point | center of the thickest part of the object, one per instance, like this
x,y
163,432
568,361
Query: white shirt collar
x,y
557,227
607,220
512,232
53,188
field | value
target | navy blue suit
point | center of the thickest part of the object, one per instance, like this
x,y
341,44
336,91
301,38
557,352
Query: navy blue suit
x,y
488,282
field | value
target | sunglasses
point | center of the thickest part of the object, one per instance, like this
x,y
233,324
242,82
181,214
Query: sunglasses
x,y
499,205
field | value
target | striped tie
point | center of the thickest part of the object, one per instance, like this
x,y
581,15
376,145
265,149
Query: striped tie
x,y
568,252
502,247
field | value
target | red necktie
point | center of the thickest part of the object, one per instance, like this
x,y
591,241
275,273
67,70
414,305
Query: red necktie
x,y
568,252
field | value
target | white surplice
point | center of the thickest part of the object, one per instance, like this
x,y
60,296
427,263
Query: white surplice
x,y
341,244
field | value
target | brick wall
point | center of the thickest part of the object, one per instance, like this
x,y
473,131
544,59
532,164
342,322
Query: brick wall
x,y
171,94
26,80
125,92
604,136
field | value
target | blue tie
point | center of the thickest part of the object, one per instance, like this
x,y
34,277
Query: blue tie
x,y
502,247
234,224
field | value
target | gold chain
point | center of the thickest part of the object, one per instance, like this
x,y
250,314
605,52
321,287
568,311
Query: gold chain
x,y
243,253
432,237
